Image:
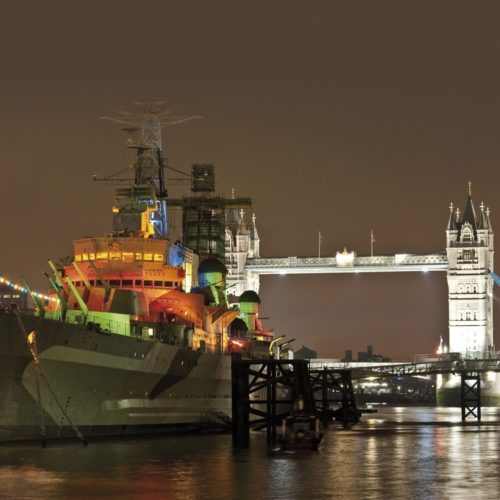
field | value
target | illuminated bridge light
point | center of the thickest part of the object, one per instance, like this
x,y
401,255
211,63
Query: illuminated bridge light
x,y
345,258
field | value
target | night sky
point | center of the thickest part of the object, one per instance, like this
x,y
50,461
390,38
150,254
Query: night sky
x,y
333,116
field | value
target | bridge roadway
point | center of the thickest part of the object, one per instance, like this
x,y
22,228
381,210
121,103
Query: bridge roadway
x,y
431,366
348,262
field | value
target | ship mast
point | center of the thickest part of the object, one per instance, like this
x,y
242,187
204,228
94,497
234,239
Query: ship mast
x,y
144,127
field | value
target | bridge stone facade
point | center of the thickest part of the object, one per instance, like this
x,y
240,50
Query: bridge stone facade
x,y
470,252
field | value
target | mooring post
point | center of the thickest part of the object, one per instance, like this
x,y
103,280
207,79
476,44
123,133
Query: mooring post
x,y
269,391
275,402
302,379
324,396
240,402
271,403
351,414
470,395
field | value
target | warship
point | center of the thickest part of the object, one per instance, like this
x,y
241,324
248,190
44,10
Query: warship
x,y
137,331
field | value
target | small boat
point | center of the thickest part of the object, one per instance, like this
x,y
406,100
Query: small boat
x,y
300,430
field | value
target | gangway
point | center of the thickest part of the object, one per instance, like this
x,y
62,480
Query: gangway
x,y
441,365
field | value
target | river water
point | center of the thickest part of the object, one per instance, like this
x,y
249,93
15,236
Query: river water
x,y
410,453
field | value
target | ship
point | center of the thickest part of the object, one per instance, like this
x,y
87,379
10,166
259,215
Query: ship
x,y
137,330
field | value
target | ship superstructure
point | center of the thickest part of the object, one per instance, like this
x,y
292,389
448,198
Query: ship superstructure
x,y
136,333
137,282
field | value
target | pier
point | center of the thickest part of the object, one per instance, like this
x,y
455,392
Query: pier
x,y
264,391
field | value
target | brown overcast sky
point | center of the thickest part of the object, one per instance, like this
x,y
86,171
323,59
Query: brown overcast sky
x,y
333,116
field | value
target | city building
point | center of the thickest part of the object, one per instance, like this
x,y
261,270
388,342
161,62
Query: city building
x,y
367,356
305,353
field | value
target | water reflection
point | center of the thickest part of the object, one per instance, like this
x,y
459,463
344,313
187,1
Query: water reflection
x,y
398,453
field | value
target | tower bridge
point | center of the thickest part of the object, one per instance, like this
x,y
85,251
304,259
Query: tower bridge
x,y
468,263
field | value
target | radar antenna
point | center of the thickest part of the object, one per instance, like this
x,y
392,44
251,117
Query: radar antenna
x,y
144,128
149,120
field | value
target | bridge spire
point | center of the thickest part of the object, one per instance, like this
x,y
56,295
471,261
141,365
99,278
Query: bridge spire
x,y
483,223
452,223
469,213
487,211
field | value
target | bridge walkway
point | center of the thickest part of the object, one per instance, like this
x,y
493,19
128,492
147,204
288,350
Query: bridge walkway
x,y
348,263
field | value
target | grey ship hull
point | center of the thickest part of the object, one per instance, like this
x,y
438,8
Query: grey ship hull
x,y
109,384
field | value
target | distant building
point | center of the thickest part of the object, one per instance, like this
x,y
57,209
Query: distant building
x,y
365,356
305,353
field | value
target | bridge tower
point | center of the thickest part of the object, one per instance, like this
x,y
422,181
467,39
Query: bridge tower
x,y
242,243
469,248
